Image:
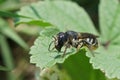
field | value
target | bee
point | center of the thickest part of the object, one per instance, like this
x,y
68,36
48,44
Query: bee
x,y
74,39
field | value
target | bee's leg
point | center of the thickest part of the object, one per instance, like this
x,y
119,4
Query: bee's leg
x,y
91,51
54,41
89,47
67,45
53,48
64,51
50,46
79,46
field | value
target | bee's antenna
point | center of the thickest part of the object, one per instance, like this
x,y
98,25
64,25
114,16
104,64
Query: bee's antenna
x,y
97,36
50,46
54,38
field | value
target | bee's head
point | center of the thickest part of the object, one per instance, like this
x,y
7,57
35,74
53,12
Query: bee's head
x,y
58,41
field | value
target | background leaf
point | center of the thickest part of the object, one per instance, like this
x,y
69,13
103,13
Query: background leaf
x,y
107,61
79,68
109,12
7,57
59,14
3,68
9,14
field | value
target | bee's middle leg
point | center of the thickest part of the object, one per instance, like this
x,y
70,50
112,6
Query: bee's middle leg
x,y
67,45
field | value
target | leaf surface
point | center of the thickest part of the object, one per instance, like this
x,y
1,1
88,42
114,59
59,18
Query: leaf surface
x,y
107,60
109,12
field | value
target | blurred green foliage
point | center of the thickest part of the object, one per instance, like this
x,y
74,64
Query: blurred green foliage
x,y
50,20
7,63
7,32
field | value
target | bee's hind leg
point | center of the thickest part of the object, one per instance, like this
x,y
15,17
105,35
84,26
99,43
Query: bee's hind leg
x,y
79,46
64,51
91,51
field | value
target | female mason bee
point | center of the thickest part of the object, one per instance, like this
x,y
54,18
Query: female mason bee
x,y
74,39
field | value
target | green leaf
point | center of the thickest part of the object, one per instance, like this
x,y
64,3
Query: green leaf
x,y
33,17
49,32
2,68
6,30
11,5
114,32
65,15
9,14
79,68
6,54
109,12
107,57
40,23
107,60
